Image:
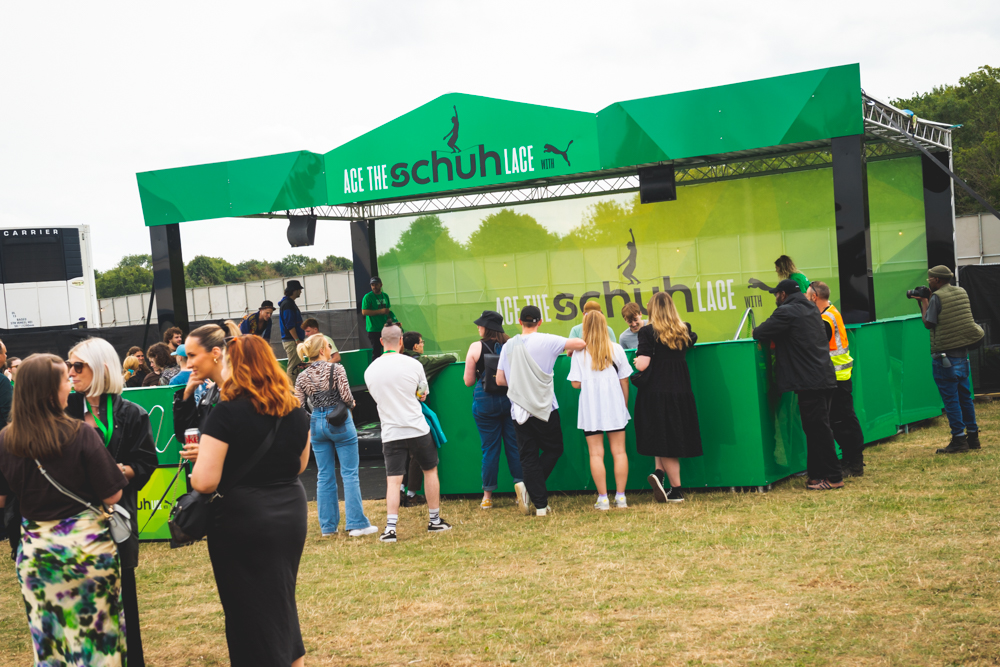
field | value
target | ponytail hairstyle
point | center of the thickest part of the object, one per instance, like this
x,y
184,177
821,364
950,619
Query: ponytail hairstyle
x,y
312,347
130,366
784,267
595,334
667,324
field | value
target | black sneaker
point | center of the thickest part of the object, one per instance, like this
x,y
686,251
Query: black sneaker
x,y
657,485
388,535
416,500
674,495
437,527
854,469
959,444
972,437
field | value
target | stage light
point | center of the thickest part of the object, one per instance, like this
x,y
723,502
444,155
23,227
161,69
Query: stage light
x,y
657,184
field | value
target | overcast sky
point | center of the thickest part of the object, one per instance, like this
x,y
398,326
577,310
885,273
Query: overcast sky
x,y
91,93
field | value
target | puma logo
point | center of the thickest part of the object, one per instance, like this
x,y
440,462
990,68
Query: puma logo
x,y
549,148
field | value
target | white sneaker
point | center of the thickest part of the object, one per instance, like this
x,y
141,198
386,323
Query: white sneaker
x,y
602,504
361,532
545,511
620,502
523,501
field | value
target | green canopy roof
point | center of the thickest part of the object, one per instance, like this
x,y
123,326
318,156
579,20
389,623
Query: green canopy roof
x,y
461,143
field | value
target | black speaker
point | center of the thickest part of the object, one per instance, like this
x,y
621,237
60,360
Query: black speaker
x,y
301,230
657,184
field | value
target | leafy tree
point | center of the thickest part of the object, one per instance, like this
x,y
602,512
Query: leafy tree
x,y
604,223
335,263
255,269
132,275
975,105
202,271
508,232
426,240
293,265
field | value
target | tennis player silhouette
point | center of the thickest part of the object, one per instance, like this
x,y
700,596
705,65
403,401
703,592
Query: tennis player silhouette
x,y
549,148
453,133
627,272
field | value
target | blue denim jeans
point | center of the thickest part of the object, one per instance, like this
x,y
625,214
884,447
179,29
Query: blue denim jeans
x,y
956,392
492,414
344,439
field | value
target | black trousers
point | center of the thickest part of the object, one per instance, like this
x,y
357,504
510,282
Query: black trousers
x,y
821,453
539,444
130,602
375,338
845,425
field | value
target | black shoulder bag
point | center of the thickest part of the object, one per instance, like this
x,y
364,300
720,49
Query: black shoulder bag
x,y
190,515
338,415
641,378
491,364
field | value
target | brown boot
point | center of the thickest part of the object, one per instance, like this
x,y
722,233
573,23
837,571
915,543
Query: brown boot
x,y
958,445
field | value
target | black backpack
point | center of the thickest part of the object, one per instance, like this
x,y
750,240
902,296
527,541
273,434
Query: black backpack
x,y
491,363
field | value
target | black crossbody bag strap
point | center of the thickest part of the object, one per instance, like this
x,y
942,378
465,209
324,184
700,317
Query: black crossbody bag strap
x,y
257,456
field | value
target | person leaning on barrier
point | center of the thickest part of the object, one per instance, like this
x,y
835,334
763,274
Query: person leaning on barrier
x,y
311,328
159,358
843,420
947,314
259,322
126,433
804,366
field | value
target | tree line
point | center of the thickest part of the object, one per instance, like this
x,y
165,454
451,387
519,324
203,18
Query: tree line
x,y
134,273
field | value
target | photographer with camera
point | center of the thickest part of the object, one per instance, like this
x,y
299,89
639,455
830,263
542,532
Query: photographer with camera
x,y
947,314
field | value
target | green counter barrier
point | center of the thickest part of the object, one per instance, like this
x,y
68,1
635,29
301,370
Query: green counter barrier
x,y
751,436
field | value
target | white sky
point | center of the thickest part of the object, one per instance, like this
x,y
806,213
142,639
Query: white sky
x,y
91,93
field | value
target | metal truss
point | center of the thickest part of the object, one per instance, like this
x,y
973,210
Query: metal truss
x,y
885,121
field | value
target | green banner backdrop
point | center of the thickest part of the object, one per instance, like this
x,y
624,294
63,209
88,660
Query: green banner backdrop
x,y
713,249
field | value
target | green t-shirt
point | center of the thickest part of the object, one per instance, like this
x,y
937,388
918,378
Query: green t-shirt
x,y
801,279
373,301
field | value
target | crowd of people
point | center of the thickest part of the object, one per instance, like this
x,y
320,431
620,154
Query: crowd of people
x,y
74,453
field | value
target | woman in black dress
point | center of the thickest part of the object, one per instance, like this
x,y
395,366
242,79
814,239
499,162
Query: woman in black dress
x,y
127,435
258,528
666,419
206,351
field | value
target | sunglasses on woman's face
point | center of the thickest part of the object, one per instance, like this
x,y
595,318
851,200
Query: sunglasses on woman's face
x,y
75,366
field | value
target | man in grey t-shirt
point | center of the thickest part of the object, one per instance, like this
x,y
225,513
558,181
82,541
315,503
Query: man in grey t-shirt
x,y
539,442
632,314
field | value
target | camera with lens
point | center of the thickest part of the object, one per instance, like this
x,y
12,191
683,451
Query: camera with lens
x,y
921,292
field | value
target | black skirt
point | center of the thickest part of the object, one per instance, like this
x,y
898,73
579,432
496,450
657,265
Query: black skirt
x,y
666,418
255,544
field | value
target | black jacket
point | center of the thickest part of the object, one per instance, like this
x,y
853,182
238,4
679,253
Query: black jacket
x,y
188,414
801,345
132,444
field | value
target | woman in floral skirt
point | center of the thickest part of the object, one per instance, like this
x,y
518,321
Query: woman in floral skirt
x,y
67,562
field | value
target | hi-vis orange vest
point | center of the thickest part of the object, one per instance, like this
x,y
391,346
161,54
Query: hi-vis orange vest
x,y
839,354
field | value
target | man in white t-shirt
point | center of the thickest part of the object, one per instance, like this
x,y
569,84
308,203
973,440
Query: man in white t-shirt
x,y
398,385
536,415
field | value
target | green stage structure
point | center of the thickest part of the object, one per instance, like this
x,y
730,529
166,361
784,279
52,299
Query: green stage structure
x,y
470,203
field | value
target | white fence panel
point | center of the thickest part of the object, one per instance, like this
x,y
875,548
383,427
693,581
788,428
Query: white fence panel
x,y
202,304
314,294
255,295
237,295
338,291
135,311
218,301
107,307
121,310
274,290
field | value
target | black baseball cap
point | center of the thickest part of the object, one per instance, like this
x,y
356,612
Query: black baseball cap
x,y
531,315
491,321
788,286
265,305
375,279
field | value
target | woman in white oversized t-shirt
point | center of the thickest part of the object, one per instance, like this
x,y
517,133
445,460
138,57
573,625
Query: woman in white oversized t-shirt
x,y
601,372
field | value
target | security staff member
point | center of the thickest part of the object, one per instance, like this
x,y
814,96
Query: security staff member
x,y
843,420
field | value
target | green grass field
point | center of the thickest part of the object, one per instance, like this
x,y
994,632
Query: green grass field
x,y
899,568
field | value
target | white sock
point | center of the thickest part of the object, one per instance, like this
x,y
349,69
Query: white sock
x,y
435,515
390,522
601,497
619,494
402,487
411,494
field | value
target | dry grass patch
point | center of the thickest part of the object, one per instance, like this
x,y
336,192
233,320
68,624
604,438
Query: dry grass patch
x,y
900,568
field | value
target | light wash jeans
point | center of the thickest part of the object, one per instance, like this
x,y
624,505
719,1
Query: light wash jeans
x,y
343,439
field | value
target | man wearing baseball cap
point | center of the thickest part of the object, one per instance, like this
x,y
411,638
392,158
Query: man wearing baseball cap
x,y
259,323
375,308
525,368
948,316
803,365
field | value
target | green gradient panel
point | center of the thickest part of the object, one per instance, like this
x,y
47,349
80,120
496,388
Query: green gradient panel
x,y
158,402
807,106
898,233
225,189
712,240
156,499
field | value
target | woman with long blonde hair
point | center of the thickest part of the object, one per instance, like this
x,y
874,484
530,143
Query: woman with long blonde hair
x,y
258,526
601,373
785,268
666,418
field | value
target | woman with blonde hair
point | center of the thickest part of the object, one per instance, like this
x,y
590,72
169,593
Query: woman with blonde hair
x,y
67,564
601,373
666,418
785,268
126,433
254,445
132,373
325,385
